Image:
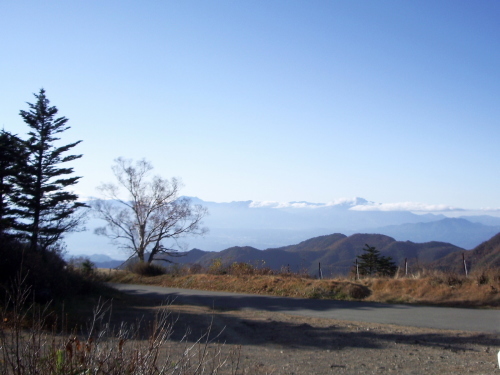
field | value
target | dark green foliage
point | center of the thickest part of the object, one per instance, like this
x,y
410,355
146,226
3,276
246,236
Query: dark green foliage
x,y
386,267
44,205
88,267
12,154
368,261
371,263
46,274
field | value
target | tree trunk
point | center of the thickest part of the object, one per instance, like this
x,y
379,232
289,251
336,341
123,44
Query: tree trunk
x,y
37,201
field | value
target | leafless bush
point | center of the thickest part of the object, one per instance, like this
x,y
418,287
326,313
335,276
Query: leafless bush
x,y
484,276
241,268
28,348
285,271
147,269
217,267
195,269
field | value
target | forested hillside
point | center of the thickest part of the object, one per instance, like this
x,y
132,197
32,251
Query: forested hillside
x,y
335,253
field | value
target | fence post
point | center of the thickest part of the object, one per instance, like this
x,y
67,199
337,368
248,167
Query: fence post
x,y
320,273
357,269
465,264
406,266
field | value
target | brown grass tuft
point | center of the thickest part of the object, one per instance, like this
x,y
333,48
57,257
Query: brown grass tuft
x,y
27,348
479,289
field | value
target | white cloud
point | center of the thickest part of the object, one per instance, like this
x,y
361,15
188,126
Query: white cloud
x,y
490,209
346,202
405,206
360,204
257,204
341,201
273,204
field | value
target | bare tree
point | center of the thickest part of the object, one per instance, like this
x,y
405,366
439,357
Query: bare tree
x,y
150,213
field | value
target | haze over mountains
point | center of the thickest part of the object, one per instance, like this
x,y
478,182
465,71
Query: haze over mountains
x,y
265,225
458,231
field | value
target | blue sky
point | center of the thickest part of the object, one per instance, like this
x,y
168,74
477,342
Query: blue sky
x,y
392,101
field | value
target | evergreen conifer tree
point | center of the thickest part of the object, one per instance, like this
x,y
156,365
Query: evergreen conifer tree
x,y
371,262
12,154
367,262
47,210
386,267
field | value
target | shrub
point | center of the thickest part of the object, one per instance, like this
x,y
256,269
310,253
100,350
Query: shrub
x,y
217,268
102,350
240,268
453,279
484,276
285,271
46,273
356,291
83,265
147,269
175,269
195,269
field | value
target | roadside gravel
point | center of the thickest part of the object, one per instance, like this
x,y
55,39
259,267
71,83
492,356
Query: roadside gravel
x,y
277,343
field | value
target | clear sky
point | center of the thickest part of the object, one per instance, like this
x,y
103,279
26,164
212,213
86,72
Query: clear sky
x,y
392,101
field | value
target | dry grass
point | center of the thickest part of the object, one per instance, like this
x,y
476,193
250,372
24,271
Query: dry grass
x,y
28,347
479,289
254,284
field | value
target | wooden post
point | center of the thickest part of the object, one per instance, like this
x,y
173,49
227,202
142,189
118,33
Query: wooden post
x,y
465,264
357,269
406,266
320,273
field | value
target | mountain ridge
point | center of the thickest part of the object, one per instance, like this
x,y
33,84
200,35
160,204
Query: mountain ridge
x,y
336,253
484,256
266,225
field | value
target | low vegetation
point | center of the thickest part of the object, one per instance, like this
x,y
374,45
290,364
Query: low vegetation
x,y
53,321
30,343
49,277
48,325
481,288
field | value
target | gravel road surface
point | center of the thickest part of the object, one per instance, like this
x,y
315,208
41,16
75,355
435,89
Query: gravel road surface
x,y
476,320
294,336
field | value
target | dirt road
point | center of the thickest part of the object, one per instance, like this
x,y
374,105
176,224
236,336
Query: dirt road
x,y
278,343
405,315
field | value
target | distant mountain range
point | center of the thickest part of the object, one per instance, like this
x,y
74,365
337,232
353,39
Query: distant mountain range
x,y
272,225
486,255
460,232
336,253
100,260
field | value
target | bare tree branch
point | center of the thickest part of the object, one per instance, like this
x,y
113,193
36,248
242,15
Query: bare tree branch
x,y
143,211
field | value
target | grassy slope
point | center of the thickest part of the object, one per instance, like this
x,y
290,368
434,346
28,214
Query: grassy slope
x,y
481,289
